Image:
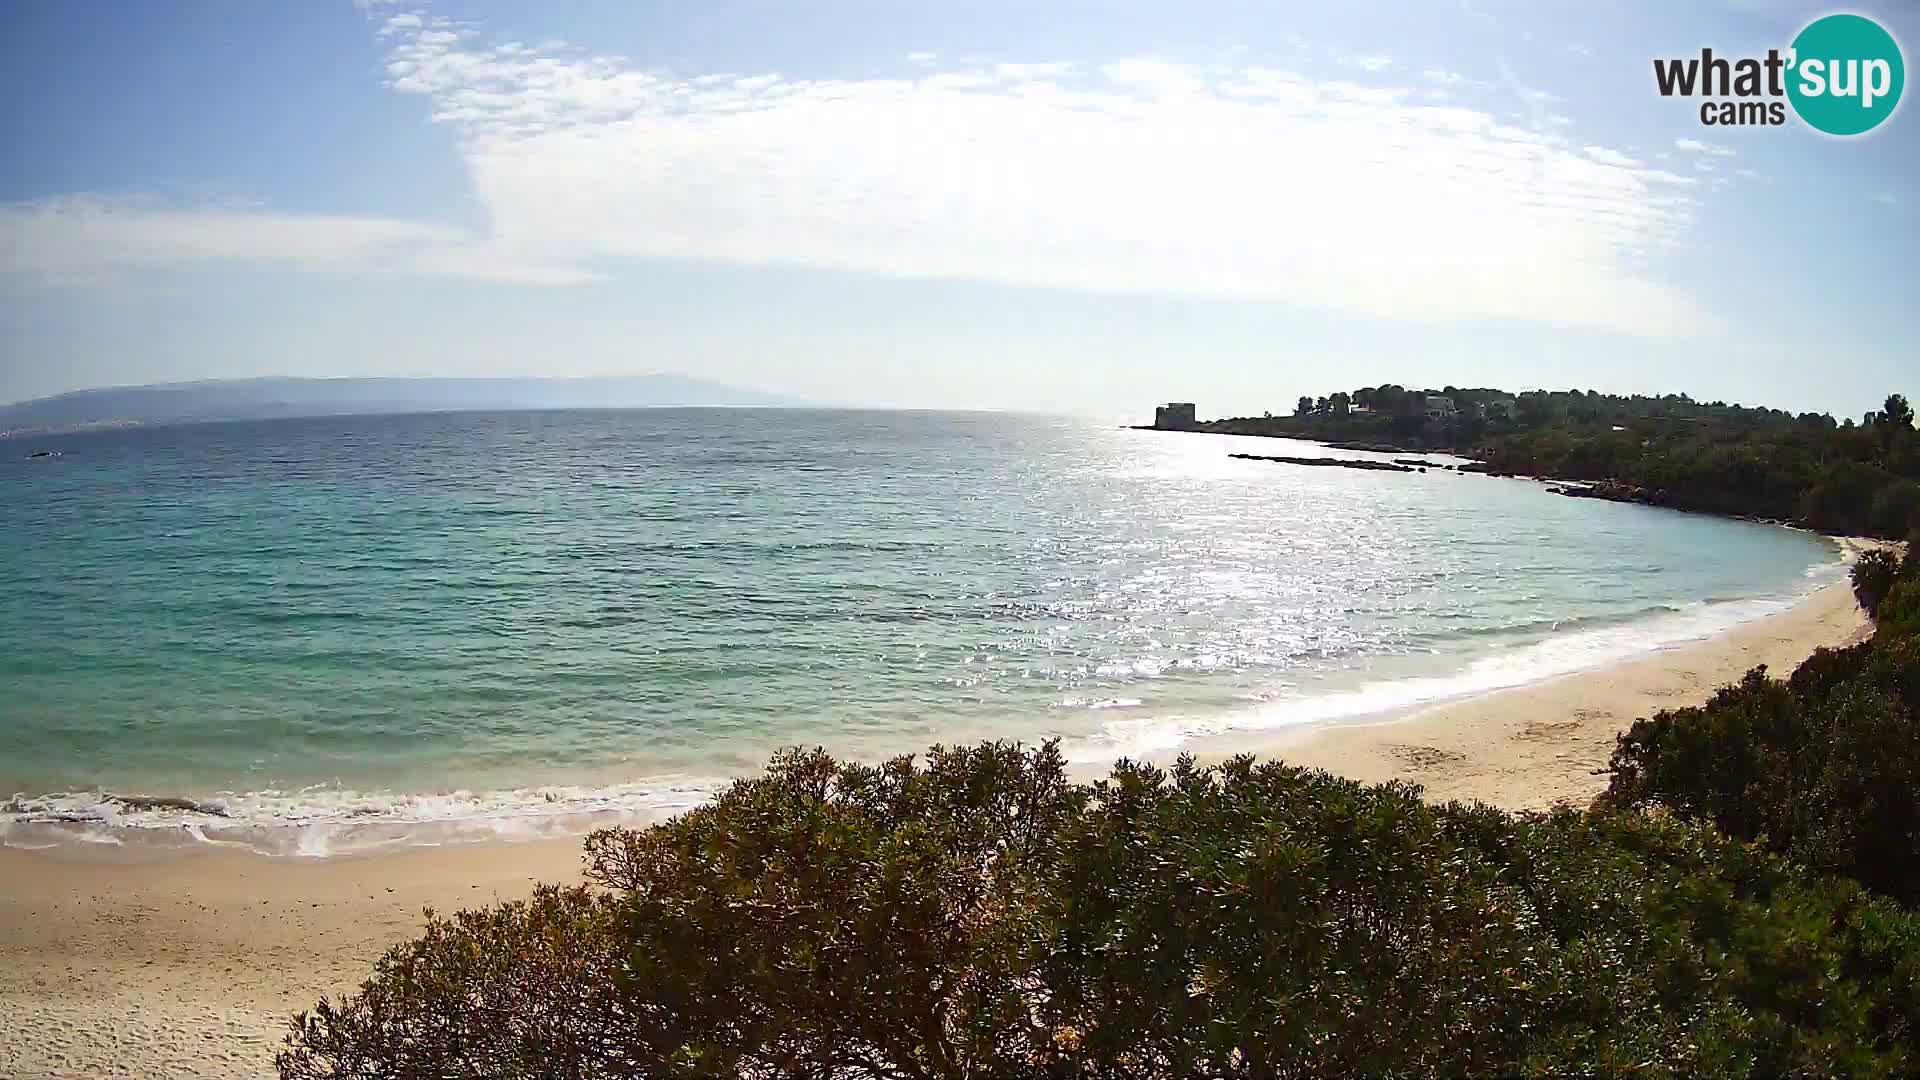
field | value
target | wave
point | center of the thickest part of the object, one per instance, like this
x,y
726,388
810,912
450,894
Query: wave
x,y
321,821
1538,627
1095,704
1560,654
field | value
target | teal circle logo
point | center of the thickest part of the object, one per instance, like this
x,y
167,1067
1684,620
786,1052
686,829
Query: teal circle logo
x,y
1845,74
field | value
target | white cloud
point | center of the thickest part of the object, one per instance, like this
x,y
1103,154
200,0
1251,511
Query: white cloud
x,y
81,239
1695,146
1372,63
1612,157
1886,198
1153,78
1138,175
1449,78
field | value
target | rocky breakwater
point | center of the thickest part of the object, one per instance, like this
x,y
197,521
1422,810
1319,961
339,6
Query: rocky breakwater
x,y
1338,463
1615,491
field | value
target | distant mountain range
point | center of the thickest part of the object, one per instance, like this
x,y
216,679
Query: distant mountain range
x,y
269,398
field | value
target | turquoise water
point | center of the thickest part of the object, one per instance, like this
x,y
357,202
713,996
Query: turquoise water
x,y
336,629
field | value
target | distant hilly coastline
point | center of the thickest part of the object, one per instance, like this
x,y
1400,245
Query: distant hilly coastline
x,y
272,398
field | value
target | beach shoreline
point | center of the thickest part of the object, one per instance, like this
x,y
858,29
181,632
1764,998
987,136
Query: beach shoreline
x,y
1545,744
191,964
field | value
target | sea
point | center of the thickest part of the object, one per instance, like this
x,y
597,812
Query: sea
x,y
309,637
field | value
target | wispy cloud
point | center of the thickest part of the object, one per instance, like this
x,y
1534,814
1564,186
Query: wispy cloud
x,y
1613,157
1136,175
1886,198
83,239
1450,78
1695,146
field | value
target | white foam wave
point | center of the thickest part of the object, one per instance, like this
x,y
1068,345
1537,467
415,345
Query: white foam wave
x,y
1075,702
1556,656
320,821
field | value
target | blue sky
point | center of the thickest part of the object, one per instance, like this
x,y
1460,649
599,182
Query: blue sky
x,y
1066,207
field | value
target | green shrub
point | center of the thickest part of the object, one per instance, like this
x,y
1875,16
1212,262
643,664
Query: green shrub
x,y
979,915
1899,614
1823,768
1874,574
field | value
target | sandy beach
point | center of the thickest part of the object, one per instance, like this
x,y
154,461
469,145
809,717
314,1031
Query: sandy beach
x,y
1531,747
111,965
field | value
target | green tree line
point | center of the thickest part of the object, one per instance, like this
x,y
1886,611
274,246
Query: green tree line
x,y
1838,476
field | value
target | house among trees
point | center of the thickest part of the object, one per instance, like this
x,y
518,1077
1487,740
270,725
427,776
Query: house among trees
x,y
1440,407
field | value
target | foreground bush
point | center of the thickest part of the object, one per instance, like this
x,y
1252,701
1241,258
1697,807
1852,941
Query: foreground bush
x,y
1823,768
980,916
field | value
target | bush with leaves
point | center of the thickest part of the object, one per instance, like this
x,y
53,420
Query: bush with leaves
x,y
1874,574
1823,767
1899,612
980,915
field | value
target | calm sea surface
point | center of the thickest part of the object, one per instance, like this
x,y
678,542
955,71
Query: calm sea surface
x,y
330,631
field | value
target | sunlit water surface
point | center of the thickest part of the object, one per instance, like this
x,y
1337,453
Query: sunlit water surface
x,y
491,622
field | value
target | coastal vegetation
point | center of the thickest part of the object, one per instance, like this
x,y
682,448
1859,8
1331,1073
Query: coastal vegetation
x,y
1742,902
1822,767
1860,478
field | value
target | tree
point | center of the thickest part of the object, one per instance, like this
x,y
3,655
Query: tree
x,y
1534,408
1391,398
1303,407
1874,574
1341,404
1897,412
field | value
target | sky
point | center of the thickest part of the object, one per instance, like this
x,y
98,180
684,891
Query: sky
x,y
997,204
